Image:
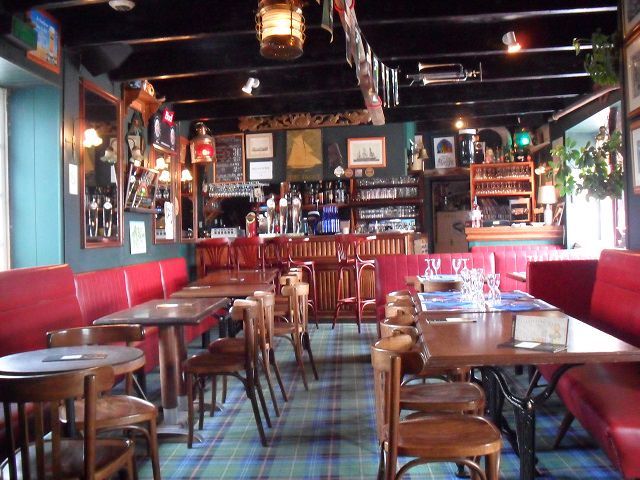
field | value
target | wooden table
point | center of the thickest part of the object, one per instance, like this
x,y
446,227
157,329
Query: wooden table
x,y
237,277
170,316
475,343
518,276
437,284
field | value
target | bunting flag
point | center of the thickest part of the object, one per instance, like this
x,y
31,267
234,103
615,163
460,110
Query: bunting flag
x,y
327,17
376,75
396,93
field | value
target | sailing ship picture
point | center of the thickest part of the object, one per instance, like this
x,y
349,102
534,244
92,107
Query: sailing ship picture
x,y
367,152
304,155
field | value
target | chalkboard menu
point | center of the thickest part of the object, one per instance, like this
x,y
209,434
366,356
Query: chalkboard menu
x,y
229,166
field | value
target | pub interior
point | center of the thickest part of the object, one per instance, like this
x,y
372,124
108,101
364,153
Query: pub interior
x,y
409,229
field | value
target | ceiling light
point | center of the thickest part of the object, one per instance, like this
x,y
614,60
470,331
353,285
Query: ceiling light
x,y
122,5
91,138
459,123
203,148
280,29
185,175
250,85
509,39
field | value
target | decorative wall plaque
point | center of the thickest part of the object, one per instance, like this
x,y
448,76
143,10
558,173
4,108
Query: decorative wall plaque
x,y
304,120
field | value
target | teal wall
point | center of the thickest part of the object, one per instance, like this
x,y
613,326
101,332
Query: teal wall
x,y
35,176
91,259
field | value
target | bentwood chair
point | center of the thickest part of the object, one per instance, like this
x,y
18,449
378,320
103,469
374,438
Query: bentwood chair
x,y
306,266
352,264
248,252
213,254
114,412
242,365
37,449
436,437
294,327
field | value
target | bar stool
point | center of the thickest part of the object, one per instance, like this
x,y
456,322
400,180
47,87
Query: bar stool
x,y
307,266
353,265
213,254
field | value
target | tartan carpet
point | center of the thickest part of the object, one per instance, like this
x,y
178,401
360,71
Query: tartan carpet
x,y
329,431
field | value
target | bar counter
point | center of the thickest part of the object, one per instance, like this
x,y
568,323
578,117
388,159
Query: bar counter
x,y
524,235
322,249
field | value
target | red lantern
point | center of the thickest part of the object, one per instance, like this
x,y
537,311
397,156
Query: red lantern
x,y
203,148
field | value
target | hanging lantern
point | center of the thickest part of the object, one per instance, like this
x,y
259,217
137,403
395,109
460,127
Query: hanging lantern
x,y
280,29
203,148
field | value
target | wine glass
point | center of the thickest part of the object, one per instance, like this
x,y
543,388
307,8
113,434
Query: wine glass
x,y
435,264
428,272
456,263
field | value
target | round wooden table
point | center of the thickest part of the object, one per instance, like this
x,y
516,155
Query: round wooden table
x,y
63,359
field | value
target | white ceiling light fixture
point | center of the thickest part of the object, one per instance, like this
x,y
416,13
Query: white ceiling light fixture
x,y
122,5
250,85
509,39
432,73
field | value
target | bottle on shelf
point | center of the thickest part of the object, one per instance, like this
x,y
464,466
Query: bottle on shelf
x,y
476,214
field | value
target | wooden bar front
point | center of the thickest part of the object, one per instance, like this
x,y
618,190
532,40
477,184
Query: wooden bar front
x,y
322,249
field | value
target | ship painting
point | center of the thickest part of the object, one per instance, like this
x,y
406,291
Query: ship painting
x,y
304,155
366,152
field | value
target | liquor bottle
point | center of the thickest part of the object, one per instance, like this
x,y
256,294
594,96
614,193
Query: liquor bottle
x,y
328,196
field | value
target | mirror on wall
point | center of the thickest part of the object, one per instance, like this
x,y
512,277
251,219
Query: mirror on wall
x,y
166,202
100,144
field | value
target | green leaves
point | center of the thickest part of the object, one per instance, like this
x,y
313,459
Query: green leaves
x,y
602,62
597,175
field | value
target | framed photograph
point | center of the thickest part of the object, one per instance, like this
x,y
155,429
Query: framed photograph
x,y
635,155
557,214
630,15
304,155
632,75
444,152
367,152
137,237
259,145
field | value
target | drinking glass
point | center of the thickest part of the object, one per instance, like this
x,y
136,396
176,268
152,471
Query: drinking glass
x,y
456,263
428,272
435,264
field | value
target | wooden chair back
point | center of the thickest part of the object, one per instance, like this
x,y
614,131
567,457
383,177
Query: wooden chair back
x,y
268,303
389,328
298,294
98,335
248,252
403,295
214,254
247,311
46,394
400,307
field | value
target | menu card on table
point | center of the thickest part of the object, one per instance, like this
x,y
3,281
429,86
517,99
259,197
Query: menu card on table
x,y
548,333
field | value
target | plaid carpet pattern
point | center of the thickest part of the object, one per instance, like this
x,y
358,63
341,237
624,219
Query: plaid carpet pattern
x,y
329,432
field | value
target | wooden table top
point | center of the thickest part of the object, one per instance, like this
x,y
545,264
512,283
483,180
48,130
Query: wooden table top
x,y
232,291
475,342
237,277
63,359
175,311
437,284
519,276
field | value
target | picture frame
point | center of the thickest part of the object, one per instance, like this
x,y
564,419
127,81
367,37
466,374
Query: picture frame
x,y
557,214
632,75
137,237
630,15
48,45
259,145
444,152
635,156
304,155
366,152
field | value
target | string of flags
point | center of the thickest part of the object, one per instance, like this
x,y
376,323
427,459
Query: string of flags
x,y
378,82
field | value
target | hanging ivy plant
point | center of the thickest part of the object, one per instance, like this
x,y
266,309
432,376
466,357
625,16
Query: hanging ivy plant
x,y
602,62
599,177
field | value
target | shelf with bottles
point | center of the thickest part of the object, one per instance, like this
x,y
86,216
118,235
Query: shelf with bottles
x,y
389,212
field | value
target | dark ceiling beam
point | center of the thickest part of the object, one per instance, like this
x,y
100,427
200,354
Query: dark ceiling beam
x,y
24,5
515,120
153,22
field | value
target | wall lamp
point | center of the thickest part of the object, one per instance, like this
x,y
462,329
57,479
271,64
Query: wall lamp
x,y
509,39
250,85
203,148
91,138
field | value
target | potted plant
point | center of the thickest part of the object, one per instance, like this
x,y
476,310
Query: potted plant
x,y
602,63
598,167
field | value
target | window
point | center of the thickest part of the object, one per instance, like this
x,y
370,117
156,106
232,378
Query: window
x,y
4,184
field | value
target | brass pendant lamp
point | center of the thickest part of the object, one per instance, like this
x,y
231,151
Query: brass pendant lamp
x,y
280,29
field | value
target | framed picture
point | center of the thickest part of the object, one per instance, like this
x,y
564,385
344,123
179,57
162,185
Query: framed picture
x,y
304,155
444,152
137,237
557,214
630,15
367,152
47,52
635,155
632,73
259,145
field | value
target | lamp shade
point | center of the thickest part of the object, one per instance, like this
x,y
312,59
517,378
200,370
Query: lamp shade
x,y
547,195
280,29
203,148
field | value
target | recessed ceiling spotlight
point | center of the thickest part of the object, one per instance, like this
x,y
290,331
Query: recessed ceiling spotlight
x,y
250,85
122,5
509,39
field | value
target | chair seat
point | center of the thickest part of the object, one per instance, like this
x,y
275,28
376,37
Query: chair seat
x,y
209,364
116,411
447,436
285,328
438,397
72,462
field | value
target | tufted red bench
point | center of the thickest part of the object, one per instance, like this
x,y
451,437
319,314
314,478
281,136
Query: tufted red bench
x,y
603,397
